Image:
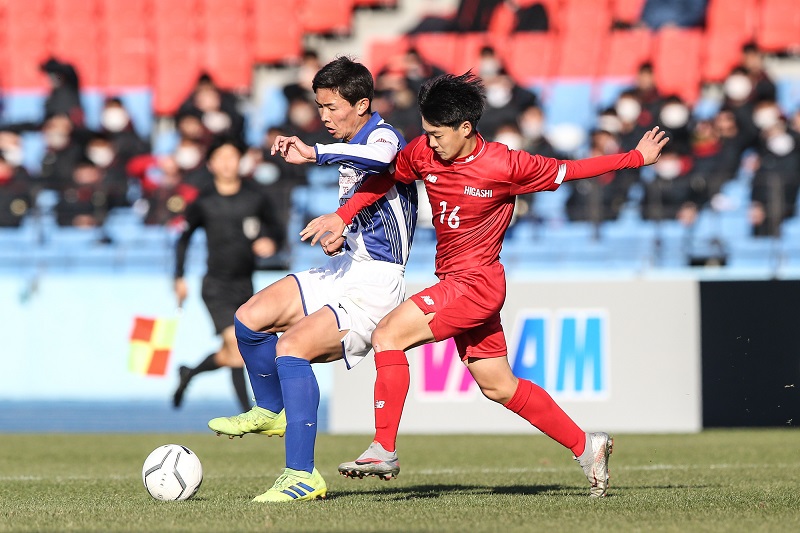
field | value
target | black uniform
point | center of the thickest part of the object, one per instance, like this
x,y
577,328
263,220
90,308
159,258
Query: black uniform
x,y
231,223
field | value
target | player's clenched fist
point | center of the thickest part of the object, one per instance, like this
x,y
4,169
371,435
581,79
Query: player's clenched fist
x,y
653,141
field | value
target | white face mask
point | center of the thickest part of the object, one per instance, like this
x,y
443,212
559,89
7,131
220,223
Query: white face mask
x,y
56,140
531,129
216,121
101,156
13,156
609,123
488,68
498,95
512,140
247,165
738,87
674,115
266,173
628,109
781,145
668,169
114,119
766,117
187,157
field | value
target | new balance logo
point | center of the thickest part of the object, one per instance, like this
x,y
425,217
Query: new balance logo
x,y
264,375
427,299
379,404
431,178
309,424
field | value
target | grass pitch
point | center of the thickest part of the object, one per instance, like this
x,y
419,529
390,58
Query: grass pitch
x,y
726,480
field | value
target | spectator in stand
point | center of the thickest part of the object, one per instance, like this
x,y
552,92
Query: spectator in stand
x,y
675,193
417,71
753,63
63,151
164,195
518,15
117,127
776,181
218,109
657,14
64,97
16,198
189,158
396,102
531,126
647,93
103,154
302,120
716,155
470,16
505,99
632,125
87,198
674,117
301,87
602,198
739,100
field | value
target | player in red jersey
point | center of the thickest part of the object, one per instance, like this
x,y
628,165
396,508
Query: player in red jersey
x,y
471,185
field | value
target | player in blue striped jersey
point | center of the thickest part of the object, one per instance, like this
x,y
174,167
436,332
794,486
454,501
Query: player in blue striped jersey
x,y
326,313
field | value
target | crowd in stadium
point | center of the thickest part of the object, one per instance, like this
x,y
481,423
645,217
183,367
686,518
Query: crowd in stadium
x,y
95,171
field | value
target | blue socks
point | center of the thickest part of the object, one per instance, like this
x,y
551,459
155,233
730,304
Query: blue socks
x,y
258,351
301,397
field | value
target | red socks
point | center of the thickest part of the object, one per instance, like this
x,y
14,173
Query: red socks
x,y
391,388
532,403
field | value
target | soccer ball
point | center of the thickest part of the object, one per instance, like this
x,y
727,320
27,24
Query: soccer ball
x,y
172,472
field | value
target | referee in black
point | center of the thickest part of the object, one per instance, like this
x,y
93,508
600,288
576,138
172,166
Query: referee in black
x,y
240,225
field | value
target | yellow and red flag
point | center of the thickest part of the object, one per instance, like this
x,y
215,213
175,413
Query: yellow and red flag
x,y
151,344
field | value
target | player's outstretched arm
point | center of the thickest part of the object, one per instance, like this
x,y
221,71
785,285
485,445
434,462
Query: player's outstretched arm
x,y
293,150
653,141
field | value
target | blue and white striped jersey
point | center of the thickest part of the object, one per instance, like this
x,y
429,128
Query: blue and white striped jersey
x,y
384,230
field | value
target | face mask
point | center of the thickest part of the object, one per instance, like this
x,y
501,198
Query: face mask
x,y
781,145
246,165
738,87
531,129
609,123
567,138
216,121
56,140
114,119
100,155
13,156
668,169
498,95
488,68
674,115
187,157
512,140
266,173
628,109
766,117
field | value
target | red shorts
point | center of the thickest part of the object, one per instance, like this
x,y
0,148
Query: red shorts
x,y
467,306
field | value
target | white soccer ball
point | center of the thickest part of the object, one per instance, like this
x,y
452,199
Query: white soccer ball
x,y
172,472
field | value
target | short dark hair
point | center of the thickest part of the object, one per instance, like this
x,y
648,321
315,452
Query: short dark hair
x,y
224,140
352,80
450,100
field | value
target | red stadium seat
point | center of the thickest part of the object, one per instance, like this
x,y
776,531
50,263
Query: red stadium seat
x,y
440,49
530,57
76,37
326,16
126,57
178,53
385,53
580,54
779,25
728,17
585,16
27,39
226,30
277,33
627,51
723,51
627,11
677,60
469,49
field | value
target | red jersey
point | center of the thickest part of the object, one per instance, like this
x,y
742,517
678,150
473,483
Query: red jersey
x,y
472,199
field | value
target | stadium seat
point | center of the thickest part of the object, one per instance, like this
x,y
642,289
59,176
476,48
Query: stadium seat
x,y
270,111
570,102
788,94
25,34
326,16
178,55
530,57
585,16
382,52
277,33
626,51
23,106
580,54
627,11
779,21
440,49
468,49
126,55
723,52
677,63
739,17
139,104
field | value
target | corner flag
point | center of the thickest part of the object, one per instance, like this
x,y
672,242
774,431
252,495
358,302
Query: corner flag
x,y
151,343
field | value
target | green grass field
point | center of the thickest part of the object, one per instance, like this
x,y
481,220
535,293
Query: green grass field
x,y
714,481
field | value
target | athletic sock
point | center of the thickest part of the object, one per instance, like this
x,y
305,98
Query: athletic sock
x,y
206,365
301,398
532,403
239,385
391,389
258,351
